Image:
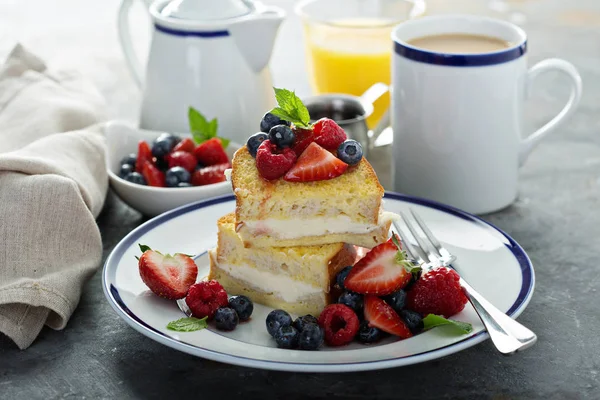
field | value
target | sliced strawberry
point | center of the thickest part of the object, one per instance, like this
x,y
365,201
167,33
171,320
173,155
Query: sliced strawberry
x,y
167,276
273,163
209,175
186,145
153,175
315,164
304,137
379,272
211,152
144,154
382,316
182,159
329,134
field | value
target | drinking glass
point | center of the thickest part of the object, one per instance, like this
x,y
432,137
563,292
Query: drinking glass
x,y
348,44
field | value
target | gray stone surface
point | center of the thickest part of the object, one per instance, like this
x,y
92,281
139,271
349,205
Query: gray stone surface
x,y
556,219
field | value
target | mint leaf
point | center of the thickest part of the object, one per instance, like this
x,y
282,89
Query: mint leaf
x,y
224,142
291,108
144,248
432,320
201,129
189,324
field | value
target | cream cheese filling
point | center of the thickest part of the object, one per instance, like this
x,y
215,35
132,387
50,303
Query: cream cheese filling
x,y
295,228
282,286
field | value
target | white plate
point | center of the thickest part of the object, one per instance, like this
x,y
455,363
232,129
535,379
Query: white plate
x,y
488,258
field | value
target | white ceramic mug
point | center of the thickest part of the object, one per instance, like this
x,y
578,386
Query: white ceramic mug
x,y
457,118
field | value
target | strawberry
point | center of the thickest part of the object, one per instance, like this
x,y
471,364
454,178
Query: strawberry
x,y
209,175
273,163
186,145
304,137
382,316
182,159
211,152
168,276
382,271
153,175
144,154
328,134
315,164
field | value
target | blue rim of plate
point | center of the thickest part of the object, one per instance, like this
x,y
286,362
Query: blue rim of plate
x,y
116,302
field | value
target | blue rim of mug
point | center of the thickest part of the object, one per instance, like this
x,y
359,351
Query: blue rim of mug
x,y
413,53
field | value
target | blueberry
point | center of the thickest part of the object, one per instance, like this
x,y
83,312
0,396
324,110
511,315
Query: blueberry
x,y
311,338
350,152
129,159
199,166
254,141
243,307
136,177
282,136
286,337
226,319
368,334
413,320
184,184
125,170
341,276
396,300
352,300
301,322
269,120
162,164
161,147
176,175
277,319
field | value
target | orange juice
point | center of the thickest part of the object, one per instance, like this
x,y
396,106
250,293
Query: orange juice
x,y
349,57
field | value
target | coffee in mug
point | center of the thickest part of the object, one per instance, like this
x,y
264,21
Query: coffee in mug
x,y
457,43
459,83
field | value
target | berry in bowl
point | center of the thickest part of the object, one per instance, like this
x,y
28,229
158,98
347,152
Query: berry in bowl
x,y
154,171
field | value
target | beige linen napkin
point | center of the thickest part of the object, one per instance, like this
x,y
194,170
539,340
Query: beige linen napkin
x,y
52,187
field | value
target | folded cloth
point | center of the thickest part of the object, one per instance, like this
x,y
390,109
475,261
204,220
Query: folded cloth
x,y
52,187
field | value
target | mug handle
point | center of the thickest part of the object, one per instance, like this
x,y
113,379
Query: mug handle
x,y
133,63
371,95
551,64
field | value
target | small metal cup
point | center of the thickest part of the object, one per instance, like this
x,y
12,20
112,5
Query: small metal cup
x,y
350,112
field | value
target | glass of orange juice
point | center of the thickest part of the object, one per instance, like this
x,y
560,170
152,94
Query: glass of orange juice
x,y
348,44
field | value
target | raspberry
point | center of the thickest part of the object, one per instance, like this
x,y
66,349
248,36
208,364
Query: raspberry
x,y
204,298
304,137
437,292
182,159
328,134
273,163
340,324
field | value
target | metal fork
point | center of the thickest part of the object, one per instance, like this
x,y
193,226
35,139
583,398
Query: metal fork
x,y
508,335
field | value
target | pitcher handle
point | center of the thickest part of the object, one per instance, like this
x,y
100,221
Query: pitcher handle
x,y
133,62
569,70
371,95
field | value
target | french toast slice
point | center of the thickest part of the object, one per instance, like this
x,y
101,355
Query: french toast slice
x,y
277,213
296,279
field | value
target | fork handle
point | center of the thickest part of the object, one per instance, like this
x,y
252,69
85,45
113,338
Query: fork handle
x,y
508,335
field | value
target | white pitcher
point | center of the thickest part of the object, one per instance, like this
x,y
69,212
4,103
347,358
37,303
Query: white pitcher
x,y
207,54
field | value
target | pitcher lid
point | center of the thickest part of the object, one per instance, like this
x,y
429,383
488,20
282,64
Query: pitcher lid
x,y
206,10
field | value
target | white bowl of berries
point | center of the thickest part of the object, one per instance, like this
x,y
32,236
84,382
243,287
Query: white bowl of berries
x,y
155,171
